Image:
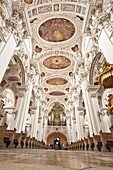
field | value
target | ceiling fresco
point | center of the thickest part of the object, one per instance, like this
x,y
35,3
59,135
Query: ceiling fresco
x,y
56,93
57,62
56,30
28,1
56,81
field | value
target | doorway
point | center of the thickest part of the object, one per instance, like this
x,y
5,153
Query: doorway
x,y
56,139
57,143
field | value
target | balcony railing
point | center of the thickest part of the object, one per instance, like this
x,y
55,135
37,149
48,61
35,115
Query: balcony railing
x,y
52,123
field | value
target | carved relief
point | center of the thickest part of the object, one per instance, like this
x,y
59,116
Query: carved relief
x,y
21,67
34,11
67,7
43,1
13,73
2,111
56,7
78,9
110,104
44,9
91,73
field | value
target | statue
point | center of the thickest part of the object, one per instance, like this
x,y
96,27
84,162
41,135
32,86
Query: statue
x,y
1,104
110,104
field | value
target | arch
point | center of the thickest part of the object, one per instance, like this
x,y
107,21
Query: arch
x,y
54,101
91,73
21,67
52,136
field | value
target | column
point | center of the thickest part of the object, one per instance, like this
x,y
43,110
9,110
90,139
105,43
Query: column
x,y
25,106
22,108
72,128
91,105
34,128
81,115
40,126
92,91
85,95
105,120
11,120
68,128
18,108
32,118
80,121
45,128
40,129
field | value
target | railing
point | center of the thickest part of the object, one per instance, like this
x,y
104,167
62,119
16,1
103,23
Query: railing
x,y
56,124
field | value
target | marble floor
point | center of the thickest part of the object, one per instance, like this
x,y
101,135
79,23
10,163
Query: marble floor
x,y
36,159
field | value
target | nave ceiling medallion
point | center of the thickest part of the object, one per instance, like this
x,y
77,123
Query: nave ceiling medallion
x,y
54,32
56,93
56,81
57,62
28,1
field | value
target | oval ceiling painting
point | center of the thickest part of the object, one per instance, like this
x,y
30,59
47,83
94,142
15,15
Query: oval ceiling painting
x,y
56,30
56,81
57,62
56,93
28,1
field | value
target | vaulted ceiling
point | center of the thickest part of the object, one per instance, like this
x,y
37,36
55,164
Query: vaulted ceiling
x,y
56,27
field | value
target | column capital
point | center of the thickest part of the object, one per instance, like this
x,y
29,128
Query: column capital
x,y
33,107
81,111
93,95
9,107
80,108
45,116
21,94
67,117
93,88
1,92
32,112
22,88
74,118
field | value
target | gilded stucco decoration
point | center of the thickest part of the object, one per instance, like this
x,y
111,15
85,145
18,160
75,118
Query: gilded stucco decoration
x,y
106,75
